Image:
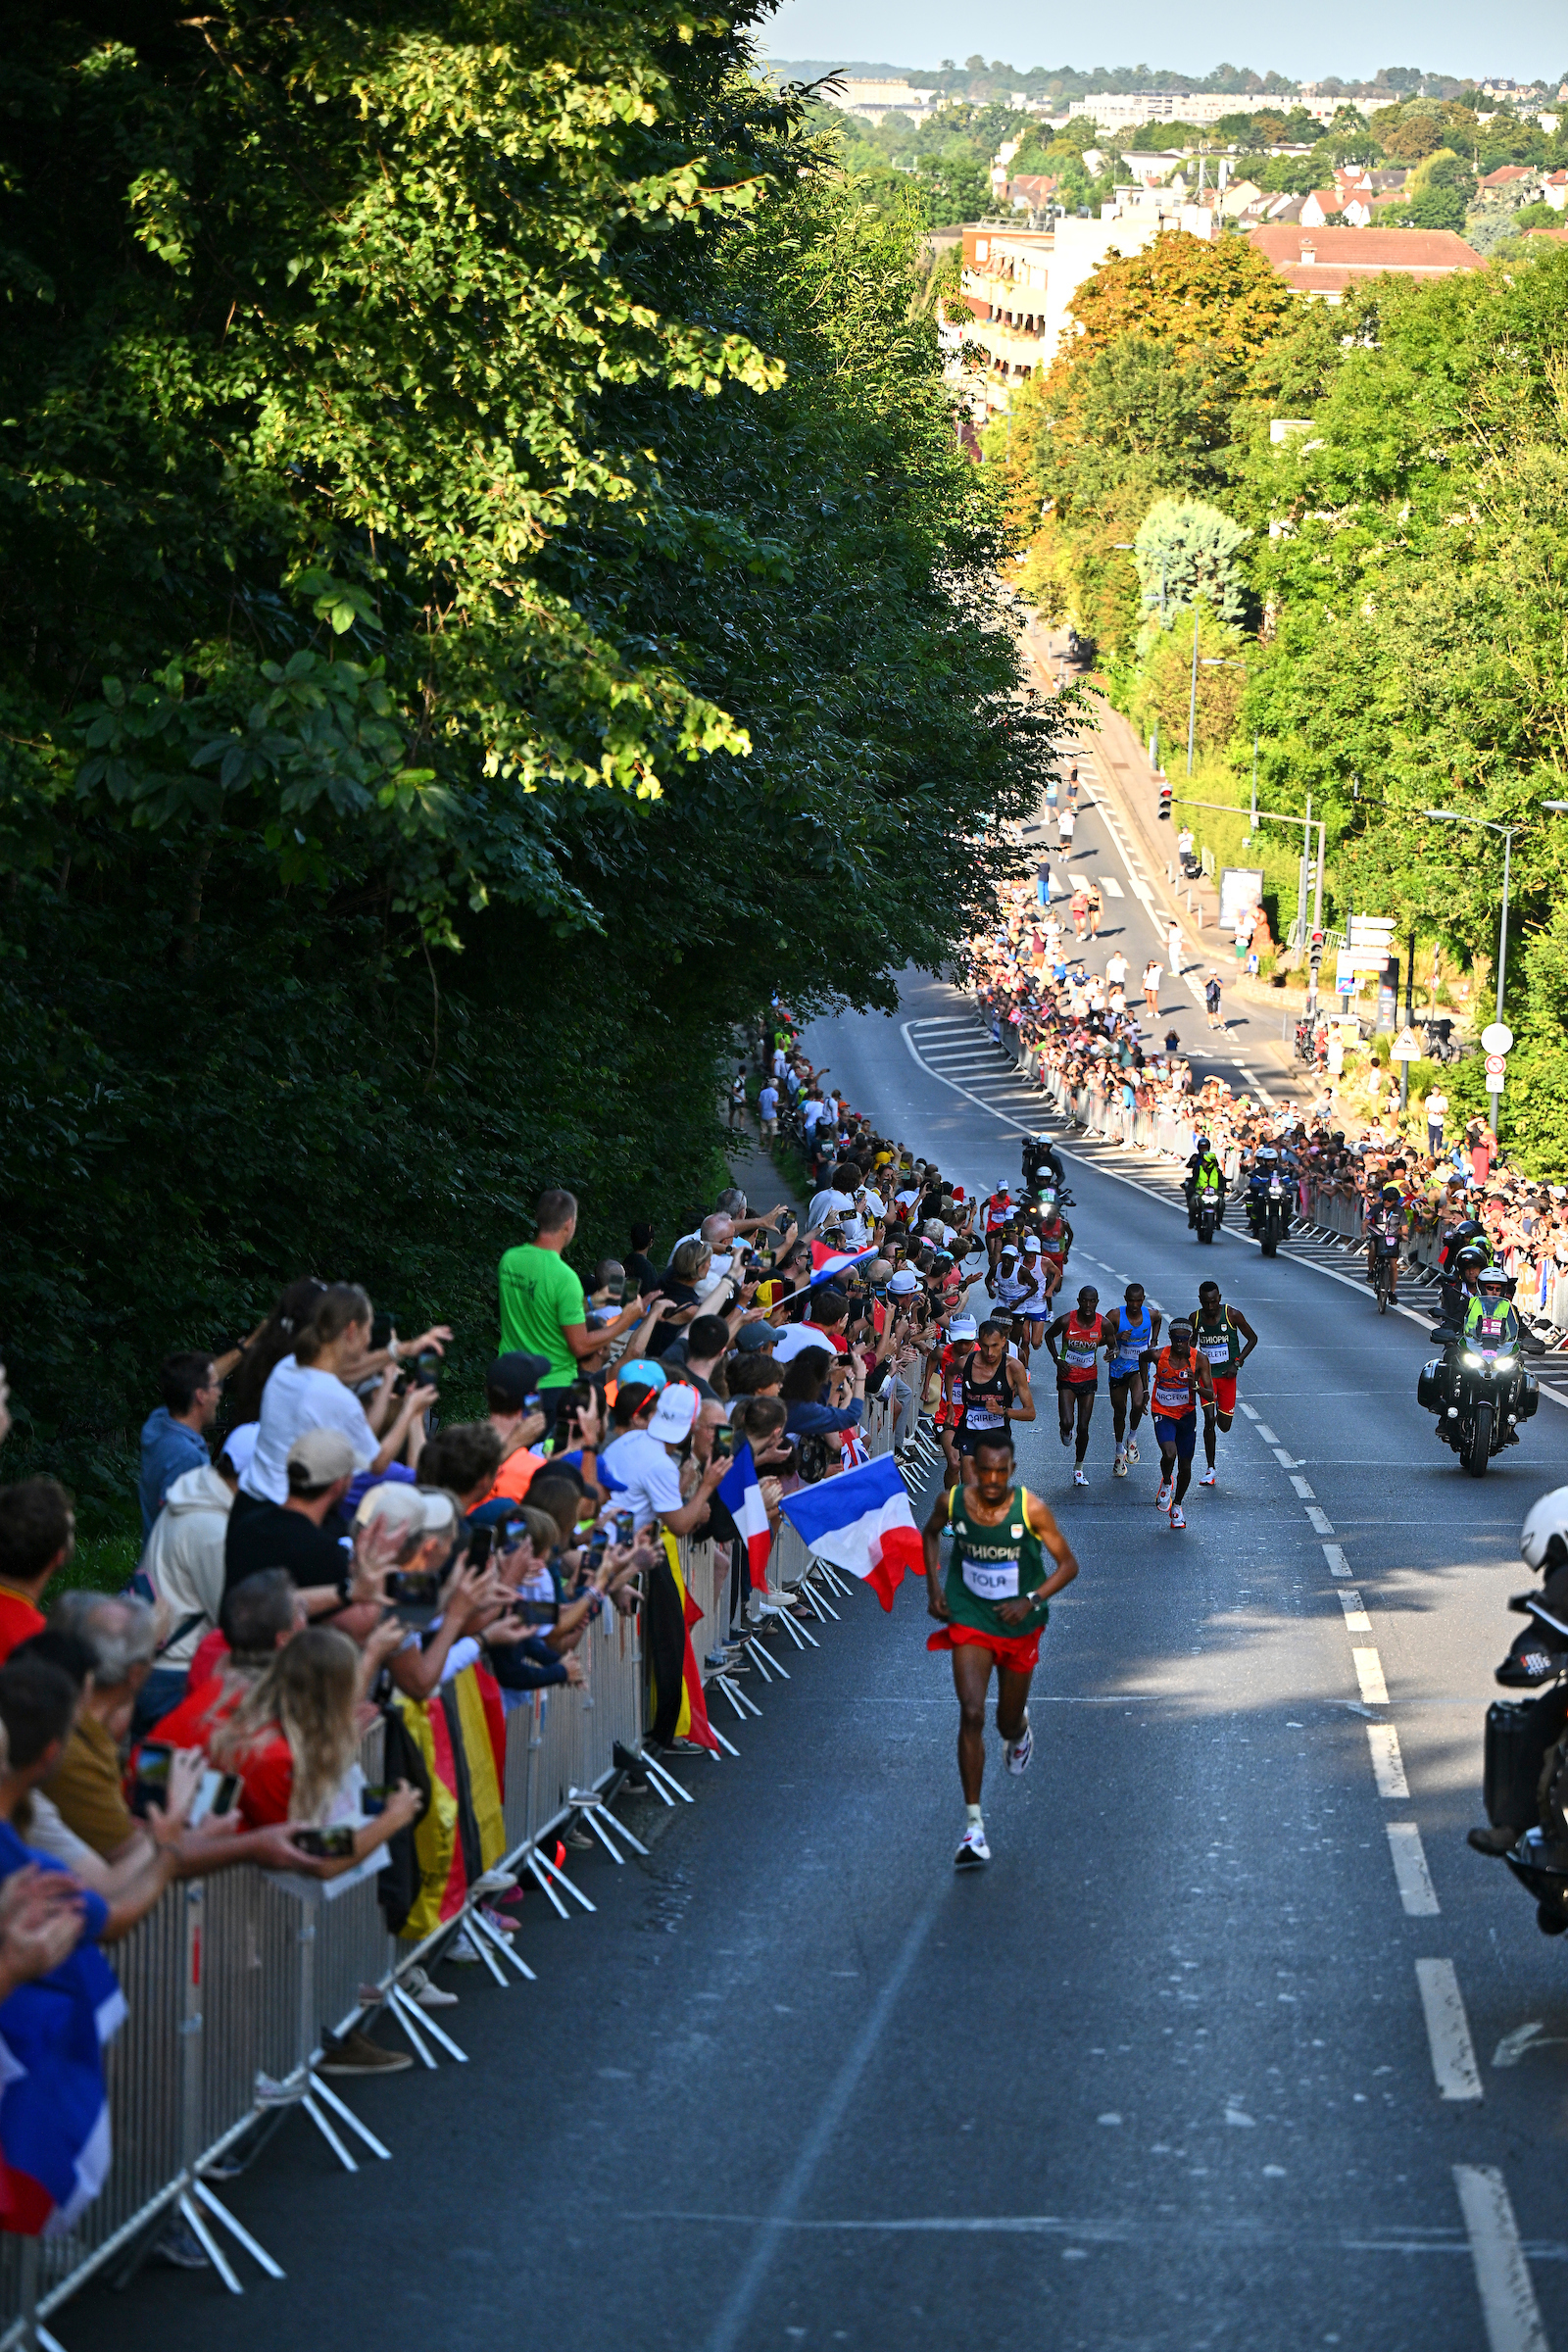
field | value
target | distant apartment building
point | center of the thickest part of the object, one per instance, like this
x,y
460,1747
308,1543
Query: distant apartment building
x,y
876,98
1129,109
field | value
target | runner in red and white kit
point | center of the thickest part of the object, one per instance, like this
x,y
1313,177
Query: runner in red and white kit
x,y
1074,1342
1001,1210
1055,1244
951,1363
1181,1379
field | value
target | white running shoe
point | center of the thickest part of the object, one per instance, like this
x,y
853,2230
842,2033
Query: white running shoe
x,y
1118,1468
1017,1752
1080,1477
1162,1499
1178,1517
1131,1450
1207,1479
973,1852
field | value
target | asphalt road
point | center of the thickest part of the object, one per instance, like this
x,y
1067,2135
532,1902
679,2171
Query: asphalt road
x,y
1170,2074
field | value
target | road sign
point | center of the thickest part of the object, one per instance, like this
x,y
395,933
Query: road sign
x,y
1496,1065
1371,931
1495,1086
1496,1038
1406,1047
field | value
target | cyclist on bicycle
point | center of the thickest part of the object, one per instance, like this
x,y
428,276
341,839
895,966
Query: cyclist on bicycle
x,y
1385,1232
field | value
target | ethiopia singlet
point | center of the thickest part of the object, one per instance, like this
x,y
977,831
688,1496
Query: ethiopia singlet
x,y
1053,1244
989,1565
1079,1365
1131,1341
1175,1388
983,1399
1219,1344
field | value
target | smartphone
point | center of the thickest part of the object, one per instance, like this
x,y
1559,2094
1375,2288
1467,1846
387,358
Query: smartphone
x,y
215,1797
625,1526
628,1289
151,1785
335,1845
416,1592
373,1800
598,1546
723,1442
480,1545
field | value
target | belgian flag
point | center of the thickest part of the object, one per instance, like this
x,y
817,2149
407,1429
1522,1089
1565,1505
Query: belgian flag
x,y
676,1707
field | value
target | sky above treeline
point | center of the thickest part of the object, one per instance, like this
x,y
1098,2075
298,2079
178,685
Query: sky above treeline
x,y
1522,39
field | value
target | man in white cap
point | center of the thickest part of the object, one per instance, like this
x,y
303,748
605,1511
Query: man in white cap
x,y
642,1464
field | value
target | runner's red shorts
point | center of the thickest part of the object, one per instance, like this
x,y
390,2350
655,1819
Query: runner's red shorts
x,y
1225,1392
1019,1654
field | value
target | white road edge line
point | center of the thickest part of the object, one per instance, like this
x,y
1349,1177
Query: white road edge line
x,y
1508,2307
1410,1873
1339,1565
1453,2054
1356,1620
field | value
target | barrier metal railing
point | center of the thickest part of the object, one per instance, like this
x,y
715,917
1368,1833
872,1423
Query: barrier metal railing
x,y
231,1982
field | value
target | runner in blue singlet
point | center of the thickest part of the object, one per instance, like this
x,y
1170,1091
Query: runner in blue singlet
x,y
1132,1333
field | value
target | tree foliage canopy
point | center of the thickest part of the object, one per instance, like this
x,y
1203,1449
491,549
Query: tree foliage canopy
x,y
491,592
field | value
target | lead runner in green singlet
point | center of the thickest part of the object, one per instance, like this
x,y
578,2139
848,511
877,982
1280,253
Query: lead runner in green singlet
x,y
992,1605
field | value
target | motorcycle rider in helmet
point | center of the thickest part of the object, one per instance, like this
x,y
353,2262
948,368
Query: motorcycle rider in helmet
x,y
1205,1168
1538,1654
1458,1288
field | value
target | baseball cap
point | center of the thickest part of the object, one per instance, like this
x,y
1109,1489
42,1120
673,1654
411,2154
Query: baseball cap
x,y
904,1284
1031,1245
517,1374
320,1455
753,1338
645,1371
239,1447
963,1327
413,1510
674,1413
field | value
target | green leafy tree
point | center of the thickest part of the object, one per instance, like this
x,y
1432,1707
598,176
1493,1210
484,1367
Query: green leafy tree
x,y
1185,550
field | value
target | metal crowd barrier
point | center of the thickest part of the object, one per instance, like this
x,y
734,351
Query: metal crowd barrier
x,y
230,1982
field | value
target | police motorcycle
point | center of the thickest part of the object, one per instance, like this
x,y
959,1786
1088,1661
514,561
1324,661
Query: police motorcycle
x,y
1525,1778
1268,1200
1478,1387
1206,1191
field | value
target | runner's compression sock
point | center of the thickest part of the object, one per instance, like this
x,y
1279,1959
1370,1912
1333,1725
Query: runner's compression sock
x,y
971,1815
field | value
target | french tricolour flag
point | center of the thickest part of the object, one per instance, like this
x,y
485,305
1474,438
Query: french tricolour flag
x,y
741,1497
826,1263
861,1523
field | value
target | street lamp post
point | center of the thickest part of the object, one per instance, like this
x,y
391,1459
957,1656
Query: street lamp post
x,y
1485,824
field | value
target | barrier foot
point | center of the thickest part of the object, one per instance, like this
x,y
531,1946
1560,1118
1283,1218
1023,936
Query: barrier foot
x,y
820,1603
825,1569
328,2134
401,2004
33,2331
256,2252
400,2012
503,1947
739,1698
208,2244
589,1801
664,1780
721,1684
722,1742
561,1880
532,1861
587,1813
796,1633
766,1666
322,2091
809,1597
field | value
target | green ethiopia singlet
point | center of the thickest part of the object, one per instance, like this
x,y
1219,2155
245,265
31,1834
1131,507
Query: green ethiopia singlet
x,y
1220,1341
992,1564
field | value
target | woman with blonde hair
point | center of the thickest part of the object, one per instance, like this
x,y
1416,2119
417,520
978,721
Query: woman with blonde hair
x,y
311,1389
294,1741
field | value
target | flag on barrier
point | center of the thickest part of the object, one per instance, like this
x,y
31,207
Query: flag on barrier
x,y
741,1493
677,1709
861,1523
826,1262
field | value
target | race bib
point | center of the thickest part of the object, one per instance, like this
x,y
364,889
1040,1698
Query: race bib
x,y
979,1418
1217,1351
991,1580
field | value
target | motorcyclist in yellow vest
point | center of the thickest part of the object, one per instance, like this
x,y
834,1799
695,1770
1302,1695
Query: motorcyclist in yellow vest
x,y
1490,1320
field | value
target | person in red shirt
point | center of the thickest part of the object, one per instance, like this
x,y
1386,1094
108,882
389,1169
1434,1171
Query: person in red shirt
x,y
38,1537
294,1739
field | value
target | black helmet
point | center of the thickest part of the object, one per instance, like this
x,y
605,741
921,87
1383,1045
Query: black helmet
x,y
1468,1260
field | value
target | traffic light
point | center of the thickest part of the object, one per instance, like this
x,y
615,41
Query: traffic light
x,y
1315,951
1164,801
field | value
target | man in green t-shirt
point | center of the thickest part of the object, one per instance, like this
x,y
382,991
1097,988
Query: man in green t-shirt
x,y
542,1306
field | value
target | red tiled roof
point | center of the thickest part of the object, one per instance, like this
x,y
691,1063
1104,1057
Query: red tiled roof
x,y
1503,175
1343,255
1558,236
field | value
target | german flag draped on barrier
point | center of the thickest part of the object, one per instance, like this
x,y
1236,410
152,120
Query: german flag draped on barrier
x,y
676,1708
459,1735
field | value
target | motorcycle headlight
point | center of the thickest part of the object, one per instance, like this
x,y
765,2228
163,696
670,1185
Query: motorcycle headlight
x,y
1506,1363
1471,1357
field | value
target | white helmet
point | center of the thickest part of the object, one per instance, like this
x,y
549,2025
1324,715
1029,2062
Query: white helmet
x,y
1544,1538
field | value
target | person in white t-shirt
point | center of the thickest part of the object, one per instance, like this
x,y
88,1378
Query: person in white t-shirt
x,y
824,1328
642,1464
307,1390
